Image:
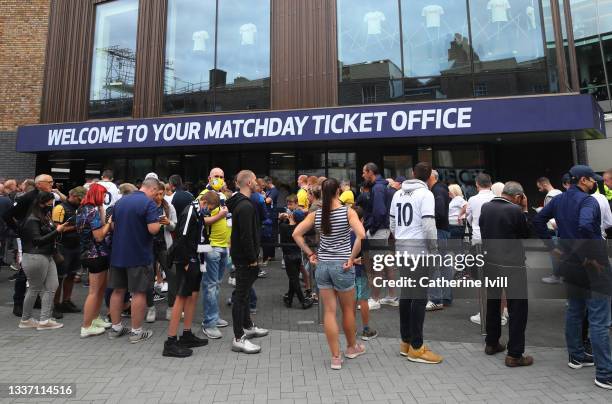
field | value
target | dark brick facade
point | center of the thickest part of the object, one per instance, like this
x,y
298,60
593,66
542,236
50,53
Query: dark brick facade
x,y
13,164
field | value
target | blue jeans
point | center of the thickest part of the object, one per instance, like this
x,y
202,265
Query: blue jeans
x,y
598,311
211,281
435,294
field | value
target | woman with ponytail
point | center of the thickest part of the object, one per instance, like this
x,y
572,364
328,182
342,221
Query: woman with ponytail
x,y
335,275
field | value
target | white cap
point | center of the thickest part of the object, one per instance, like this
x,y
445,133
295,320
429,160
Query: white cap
x,y
151,175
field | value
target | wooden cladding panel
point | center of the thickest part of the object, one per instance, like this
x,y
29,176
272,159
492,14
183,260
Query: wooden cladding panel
x,y
304,54
150,64
68,61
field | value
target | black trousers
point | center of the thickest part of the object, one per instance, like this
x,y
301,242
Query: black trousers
x,y
241,315
292,266
20,288
412,317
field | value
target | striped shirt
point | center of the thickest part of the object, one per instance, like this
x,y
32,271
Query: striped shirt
x,y
335,246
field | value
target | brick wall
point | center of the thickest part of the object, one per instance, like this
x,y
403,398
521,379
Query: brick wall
x,y
23,38
13,164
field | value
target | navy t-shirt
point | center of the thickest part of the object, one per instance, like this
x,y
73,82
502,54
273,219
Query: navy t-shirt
x,y
132,242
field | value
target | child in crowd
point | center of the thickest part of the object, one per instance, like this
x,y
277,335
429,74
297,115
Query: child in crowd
x,y
292,256
362,288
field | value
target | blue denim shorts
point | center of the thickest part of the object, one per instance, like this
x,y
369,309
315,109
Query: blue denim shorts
x,y
331,275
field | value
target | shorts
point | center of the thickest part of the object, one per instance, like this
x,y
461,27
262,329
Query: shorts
x,y
135,279
362,288
188,281
72,261
331,275
95,265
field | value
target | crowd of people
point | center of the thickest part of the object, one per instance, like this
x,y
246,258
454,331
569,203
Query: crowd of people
x,y
155,241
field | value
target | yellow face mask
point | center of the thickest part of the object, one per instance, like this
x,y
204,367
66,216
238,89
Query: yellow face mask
x,y
217,184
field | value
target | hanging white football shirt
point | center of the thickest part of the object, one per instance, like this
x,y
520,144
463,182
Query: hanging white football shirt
x,y
530,11
247,32
374,20
499,10
432,15
413,202
112,193
199,40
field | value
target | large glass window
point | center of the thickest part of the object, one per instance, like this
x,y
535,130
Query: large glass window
x,y
435,37
190,56
342,166
242,77
507,35
217,56
370,63
114,59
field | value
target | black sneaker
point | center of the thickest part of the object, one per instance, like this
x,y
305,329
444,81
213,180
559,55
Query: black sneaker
x,y
17,310
288,302
189,340
575,363
157,297
56,313
307,303
13,277
604,383
126,313
175,350
68,307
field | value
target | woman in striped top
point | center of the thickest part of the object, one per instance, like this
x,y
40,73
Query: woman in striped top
x,y
334,258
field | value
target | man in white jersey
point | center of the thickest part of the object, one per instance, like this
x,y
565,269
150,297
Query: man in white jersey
x,y
413,224
112,192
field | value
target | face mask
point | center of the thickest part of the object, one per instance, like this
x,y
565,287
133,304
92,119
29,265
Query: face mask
x,y
217,184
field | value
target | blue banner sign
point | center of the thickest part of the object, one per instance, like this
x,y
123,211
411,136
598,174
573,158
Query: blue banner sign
x,y
555,113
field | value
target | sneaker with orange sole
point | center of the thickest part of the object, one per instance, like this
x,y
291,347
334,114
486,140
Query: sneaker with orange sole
x,y
423,355
404,348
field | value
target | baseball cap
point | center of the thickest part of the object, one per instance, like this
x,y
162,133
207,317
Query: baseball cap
x,y
400,179
566,178
151,175
298,215
580,171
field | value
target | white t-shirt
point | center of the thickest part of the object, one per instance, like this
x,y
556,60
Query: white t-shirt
x,y
606,213
168,198
473,212
408,210
432,15
112,193
551,194
454,209
499,10
247,33
374,20
199,40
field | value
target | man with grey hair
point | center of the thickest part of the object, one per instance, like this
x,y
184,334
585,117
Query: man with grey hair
x,y
503,226
135,222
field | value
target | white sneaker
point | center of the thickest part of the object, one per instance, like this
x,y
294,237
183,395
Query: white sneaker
x,y
231,281
31,323
222,323
151,314
390,301
552,280
101,323
91,331
475,318
212,333
255,332
431,306
244,345
49,325
164,287
373,304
